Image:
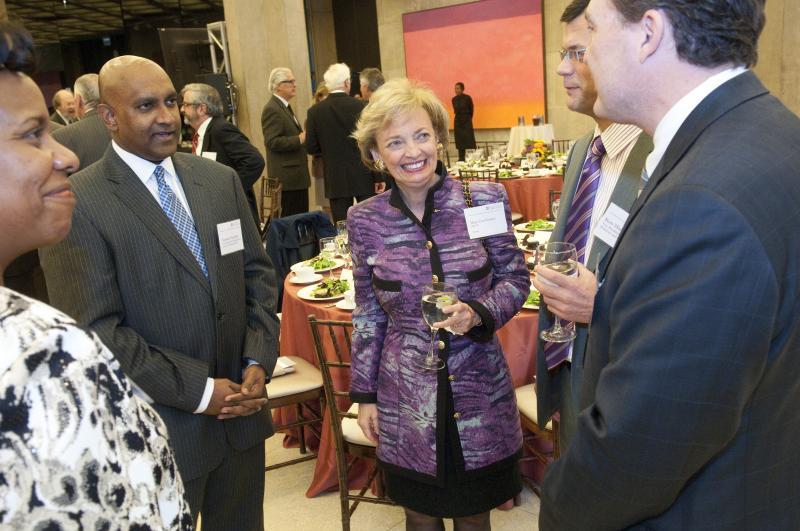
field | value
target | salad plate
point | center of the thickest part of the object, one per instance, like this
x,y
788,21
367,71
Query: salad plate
x,y
533,226
319,264
532,302
328,290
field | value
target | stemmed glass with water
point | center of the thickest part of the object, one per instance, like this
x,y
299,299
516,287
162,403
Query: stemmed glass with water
x,y
342,242
563,258
554,208
435,297
327,249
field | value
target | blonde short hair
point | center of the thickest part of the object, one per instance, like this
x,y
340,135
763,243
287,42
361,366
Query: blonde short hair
x,y
396,98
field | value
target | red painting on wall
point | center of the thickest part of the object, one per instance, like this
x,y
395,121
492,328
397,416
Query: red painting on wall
x,y
494,47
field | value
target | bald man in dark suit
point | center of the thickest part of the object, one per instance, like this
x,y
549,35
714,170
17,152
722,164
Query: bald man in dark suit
x,y
165,263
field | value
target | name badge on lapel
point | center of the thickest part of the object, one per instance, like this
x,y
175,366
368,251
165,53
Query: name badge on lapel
x,y
486,220
209,155
230,237
610,224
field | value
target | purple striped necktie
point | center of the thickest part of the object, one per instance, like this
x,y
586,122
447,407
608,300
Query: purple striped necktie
x,y
577,231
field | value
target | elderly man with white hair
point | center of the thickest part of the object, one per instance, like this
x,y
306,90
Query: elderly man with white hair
x,y
329,126
283,139
88,137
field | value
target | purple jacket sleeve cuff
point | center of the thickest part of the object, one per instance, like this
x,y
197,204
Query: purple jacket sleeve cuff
x,y
363,398
484,331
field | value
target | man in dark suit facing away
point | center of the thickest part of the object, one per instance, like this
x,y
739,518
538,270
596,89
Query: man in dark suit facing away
x,y
217,139
165,263
284,140
88,138
689,416
330,123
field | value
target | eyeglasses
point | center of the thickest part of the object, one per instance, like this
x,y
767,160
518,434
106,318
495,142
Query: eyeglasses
x,y
289,81
189,104
573,55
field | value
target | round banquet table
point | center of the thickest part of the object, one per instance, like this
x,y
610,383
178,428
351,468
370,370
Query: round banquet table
x,y
530,196
517,337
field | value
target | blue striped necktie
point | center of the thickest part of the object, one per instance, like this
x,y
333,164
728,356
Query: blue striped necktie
x,y
180,218
577,230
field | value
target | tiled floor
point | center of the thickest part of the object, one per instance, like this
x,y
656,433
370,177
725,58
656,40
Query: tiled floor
x,y
287,509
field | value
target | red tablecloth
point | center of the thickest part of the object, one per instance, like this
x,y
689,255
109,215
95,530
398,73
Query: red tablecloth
x,y
518,339
530,196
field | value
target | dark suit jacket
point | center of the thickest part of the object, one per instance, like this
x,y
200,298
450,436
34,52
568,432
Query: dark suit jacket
x,y
55,117
328,128
125,272
551,385
234,150
88,138
692,381
286,156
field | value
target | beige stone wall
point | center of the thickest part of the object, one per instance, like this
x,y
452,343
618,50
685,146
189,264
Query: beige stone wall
x,y
779,63
323,36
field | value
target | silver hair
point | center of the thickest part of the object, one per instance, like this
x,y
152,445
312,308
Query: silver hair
x,y
336,75
88,89
372,78
207,95
278,75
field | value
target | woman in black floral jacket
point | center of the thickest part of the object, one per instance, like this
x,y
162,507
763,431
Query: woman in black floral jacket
x,y
78,449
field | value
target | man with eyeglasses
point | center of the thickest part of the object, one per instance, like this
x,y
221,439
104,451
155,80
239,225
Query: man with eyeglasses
x,y
601,179
284,140
217,139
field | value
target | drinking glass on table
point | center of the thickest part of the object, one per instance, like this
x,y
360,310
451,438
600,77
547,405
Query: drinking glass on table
x,y
554,208
327,249
435,296
342,242
563,258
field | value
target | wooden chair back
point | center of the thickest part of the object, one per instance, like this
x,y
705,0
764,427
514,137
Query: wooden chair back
x,y
478,175
332,342
270,200
561,146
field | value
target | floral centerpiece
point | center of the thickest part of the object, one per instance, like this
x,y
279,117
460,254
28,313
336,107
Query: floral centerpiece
x,y
545,158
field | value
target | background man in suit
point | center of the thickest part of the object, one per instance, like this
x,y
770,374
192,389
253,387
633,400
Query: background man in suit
x,y
690,387
64,107
217,139
370,80
623,150
328,127
88,137
284,140
165,263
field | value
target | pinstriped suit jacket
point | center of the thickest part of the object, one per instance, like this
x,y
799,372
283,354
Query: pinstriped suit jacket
x,y
125,272
88,138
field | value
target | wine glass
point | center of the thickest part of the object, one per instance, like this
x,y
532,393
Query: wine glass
x,y
343,247
435,297
554,207
563,258
327,249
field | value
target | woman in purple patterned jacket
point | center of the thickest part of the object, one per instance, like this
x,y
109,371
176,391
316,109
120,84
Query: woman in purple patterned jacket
x,y
448,440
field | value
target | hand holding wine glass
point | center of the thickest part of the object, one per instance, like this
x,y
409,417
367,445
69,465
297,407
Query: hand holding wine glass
x,y
435,297
562,258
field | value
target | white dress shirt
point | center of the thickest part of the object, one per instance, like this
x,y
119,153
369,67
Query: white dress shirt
x,y
144,171
668,126
201,133
618,140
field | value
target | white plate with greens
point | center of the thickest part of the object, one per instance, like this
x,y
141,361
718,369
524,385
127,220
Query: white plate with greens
x,y
320,264
533,226
533,300
329,289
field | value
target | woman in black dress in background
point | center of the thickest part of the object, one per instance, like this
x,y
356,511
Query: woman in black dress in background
x,y
462,123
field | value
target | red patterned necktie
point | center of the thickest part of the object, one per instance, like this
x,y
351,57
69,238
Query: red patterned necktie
x,y
577,231
195,138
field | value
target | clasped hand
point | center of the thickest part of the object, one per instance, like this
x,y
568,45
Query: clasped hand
x,y
569,297
230,400
462,318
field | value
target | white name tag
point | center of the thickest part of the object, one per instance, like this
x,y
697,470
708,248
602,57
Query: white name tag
x,y
230,237
486,220
610,225
209,155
